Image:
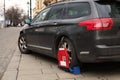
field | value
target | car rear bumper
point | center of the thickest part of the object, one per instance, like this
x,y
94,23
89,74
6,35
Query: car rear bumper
x,y
100,53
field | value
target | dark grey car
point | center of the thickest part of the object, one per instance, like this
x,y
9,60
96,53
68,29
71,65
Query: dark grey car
x,y
89,29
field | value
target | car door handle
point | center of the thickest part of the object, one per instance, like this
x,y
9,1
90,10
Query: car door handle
x,y
55,23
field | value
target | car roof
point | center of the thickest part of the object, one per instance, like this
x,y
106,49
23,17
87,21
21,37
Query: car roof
x,y
69,1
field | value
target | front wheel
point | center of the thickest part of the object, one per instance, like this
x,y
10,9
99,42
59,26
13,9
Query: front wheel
x,y
22,44
66,43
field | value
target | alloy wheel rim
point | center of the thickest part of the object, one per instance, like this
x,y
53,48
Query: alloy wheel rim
x,y
22,44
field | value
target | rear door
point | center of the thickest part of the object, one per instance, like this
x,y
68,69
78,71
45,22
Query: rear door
x,y
54,19
109,9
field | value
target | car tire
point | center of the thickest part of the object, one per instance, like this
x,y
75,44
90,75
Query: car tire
x,y
66,43
23,45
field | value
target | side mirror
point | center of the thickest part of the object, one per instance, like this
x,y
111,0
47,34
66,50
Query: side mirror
x,y
27,21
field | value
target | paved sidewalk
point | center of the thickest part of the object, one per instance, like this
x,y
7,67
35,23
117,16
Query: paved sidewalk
x,y
8,43
33,67
37,67
12,70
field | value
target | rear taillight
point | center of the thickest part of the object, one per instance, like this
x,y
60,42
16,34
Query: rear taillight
x,y
97,24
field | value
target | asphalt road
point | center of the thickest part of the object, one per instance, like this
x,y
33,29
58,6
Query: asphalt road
x,y
8,43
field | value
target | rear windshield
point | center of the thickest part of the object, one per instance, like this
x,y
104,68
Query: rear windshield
x,y
76,10
108,9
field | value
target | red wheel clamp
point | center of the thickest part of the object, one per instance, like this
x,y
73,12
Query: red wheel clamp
x,y
63,61
63,58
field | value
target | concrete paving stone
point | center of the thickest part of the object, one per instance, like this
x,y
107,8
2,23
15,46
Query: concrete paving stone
x,y
34,67
92,76
48,63
9,75
13,66
55,66
88,78
113,76
18,53
30,72
68,75
29,62
15,59
50,76
45,67
52,71
45,61
14,63
3,64
26,62
4,60
29,67
23,61
65,79
39,77
44,64
42,61
27,57
1,69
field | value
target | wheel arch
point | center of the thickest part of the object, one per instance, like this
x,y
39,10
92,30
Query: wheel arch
x,y
72,42
58,38
22,32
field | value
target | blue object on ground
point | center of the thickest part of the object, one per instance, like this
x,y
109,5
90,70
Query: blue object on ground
x,y
75,70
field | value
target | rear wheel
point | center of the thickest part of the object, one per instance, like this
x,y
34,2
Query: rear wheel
x,y
66,43
22,44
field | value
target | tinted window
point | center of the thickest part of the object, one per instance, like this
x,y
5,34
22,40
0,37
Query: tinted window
x,y
41,16
108,9
76,10
56,12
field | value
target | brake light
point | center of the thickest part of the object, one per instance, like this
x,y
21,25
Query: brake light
x,y
97,24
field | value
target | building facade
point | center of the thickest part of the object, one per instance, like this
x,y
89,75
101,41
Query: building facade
x,y
38,6
41,4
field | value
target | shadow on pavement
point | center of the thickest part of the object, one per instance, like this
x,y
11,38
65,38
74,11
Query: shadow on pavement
x,y
95,68
102,68
44,57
